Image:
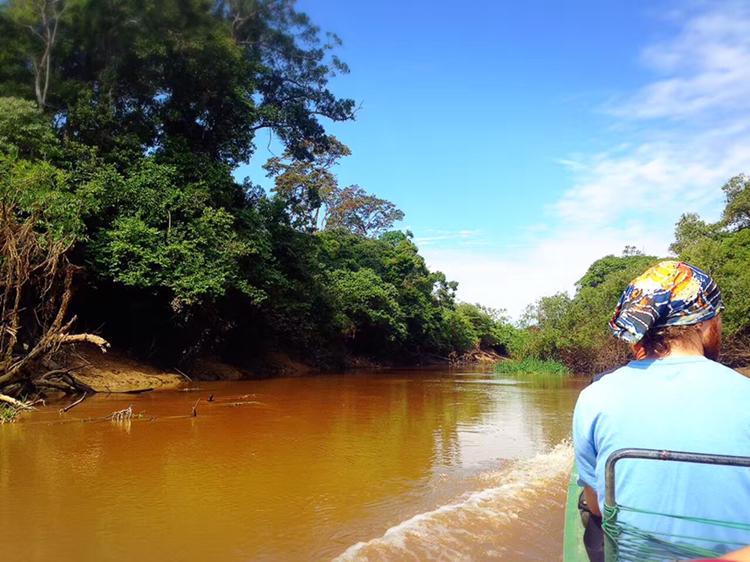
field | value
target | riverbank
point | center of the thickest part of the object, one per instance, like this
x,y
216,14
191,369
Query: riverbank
x,y
116,372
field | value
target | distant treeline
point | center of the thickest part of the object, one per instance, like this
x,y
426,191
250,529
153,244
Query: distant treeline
x,y
120,131
574,330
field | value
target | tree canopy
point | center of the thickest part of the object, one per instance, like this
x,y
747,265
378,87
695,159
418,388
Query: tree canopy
x,y
123,125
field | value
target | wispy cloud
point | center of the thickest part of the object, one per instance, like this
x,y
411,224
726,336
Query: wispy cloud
x,y
692,136
437,237
705,67
660,179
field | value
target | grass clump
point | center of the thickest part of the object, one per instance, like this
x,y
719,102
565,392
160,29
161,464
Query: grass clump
x,y
8,413
531,366
539,373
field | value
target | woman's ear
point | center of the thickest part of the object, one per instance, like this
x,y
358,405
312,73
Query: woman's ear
x,y
639,351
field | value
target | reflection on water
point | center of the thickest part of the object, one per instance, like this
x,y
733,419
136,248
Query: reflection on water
x,y
295,469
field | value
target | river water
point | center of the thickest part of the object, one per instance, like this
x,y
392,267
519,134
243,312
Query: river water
x,y
408,465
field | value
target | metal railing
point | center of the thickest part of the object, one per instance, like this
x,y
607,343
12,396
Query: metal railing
x,y
610,547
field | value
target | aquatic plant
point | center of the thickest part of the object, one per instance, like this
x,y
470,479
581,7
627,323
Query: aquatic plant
x,y
538,373
532,366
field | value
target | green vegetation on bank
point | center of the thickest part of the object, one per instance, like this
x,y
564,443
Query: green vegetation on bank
x,y
121,130
8,414
573,330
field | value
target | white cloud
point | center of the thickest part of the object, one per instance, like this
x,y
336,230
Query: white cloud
x,y
552,264
661,179
705,67
634,193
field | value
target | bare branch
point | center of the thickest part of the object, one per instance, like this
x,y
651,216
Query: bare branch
x,y
74,404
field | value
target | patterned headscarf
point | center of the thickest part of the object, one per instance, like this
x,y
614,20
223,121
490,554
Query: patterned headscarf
x,y
671,293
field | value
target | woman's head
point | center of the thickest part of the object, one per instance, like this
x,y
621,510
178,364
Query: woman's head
x,y
672,307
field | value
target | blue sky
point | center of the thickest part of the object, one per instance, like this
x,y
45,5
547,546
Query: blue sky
x,y
525,139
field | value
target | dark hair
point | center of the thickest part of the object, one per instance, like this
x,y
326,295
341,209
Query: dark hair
x,y
658,341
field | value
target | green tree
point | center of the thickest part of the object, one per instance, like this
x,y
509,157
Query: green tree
x,y
41,20
695,240
25,131
176,74
736,213
603,267
368,308
314,200
164,234
487,324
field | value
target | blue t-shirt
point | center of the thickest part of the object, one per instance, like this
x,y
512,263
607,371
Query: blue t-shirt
x,y
681,404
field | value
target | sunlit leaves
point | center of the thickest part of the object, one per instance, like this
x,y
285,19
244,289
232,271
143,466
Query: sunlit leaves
x,y
164,235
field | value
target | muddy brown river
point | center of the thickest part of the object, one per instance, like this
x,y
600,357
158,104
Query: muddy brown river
x,y
408,465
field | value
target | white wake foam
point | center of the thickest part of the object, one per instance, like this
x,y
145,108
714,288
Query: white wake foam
x,y
479,525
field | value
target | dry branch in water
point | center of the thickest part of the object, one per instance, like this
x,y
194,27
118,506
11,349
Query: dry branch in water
x,y
236,404
183,374
121,415
74,404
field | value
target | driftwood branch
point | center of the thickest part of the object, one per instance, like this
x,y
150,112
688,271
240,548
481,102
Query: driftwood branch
x,y
121,415
18,404
50,341
89,338
183,374
62,379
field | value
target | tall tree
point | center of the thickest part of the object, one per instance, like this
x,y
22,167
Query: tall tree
x,y
307,186
165,75
737,210
357,211
314,200
41,19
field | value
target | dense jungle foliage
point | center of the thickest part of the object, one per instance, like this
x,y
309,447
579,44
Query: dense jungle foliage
x,y
121,126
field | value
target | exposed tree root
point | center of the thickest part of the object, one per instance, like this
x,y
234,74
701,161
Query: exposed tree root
x,y
36,286
62,380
